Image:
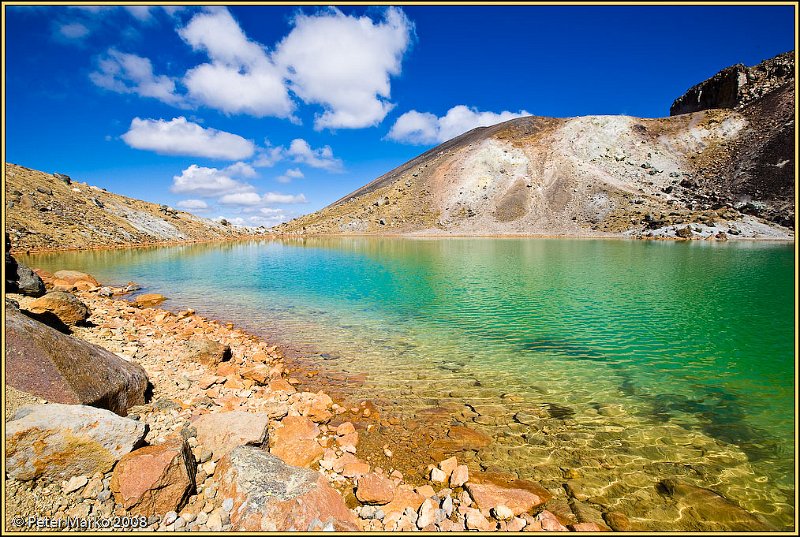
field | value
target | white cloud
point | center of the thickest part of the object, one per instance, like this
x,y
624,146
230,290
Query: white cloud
x,y
141,13
207,182
74,30
275,197
240,198
241,169
241,78
181,137
323,158
129,73
269,156
292,173
344,64
195,205
424,128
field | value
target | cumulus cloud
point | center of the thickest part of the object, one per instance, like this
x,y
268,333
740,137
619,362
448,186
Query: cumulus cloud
x,y
275,197
301,152
344,63
241,169
207,182
424,128
322,157
181,137
129,73
193,205
292,173
240,198
241,78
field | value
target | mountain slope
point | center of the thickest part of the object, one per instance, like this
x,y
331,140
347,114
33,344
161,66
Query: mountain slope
x,y
46,211
593,175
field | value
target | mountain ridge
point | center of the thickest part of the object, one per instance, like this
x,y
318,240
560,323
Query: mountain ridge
x,y
717,171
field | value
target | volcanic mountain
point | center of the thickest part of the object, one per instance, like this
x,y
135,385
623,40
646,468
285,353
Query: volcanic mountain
x,y
722,164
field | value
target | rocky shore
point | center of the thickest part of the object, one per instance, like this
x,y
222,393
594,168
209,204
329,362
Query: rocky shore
x,y
223,439
166,420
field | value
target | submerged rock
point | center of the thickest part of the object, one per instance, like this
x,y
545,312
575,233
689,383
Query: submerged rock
x,y
709,510
61,441
44,362
149,300
519,495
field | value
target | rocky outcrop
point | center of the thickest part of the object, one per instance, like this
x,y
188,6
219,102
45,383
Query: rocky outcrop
x,y
43,212
62,306
57,441
156,479
269,495
737,86
44,362
222,431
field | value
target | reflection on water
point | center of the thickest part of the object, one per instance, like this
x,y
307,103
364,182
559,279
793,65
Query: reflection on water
x,y
637,360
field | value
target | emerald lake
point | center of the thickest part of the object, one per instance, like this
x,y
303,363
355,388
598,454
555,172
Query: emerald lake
x,y
624,362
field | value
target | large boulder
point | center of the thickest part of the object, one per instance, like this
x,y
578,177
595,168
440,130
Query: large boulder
x,y
21,279
156,479
63,369
295,441
73,279
64,306
270,495
222,431
520,495
58,442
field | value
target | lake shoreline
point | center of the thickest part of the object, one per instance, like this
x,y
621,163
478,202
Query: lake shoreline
x,y
366,418
412,235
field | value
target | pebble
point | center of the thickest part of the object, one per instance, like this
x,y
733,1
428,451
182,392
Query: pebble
x,y
227,505
170,518
75,483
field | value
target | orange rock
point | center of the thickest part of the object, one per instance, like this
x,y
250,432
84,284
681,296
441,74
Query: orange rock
x,y
154,480
348,441
404,496
521,496
355,469
148,300
64,306
257,373
73,276
375,489
280,385
345,429
447,466
295,441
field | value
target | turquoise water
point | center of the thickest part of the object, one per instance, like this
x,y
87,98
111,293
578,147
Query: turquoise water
x,y
642,358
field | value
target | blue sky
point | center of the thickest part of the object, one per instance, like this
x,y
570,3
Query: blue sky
x,y
263,113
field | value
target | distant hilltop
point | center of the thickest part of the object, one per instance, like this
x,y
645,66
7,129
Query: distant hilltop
x,y
722,165
51,211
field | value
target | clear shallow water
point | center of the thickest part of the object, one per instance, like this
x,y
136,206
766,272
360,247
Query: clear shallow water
x,y
639,360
